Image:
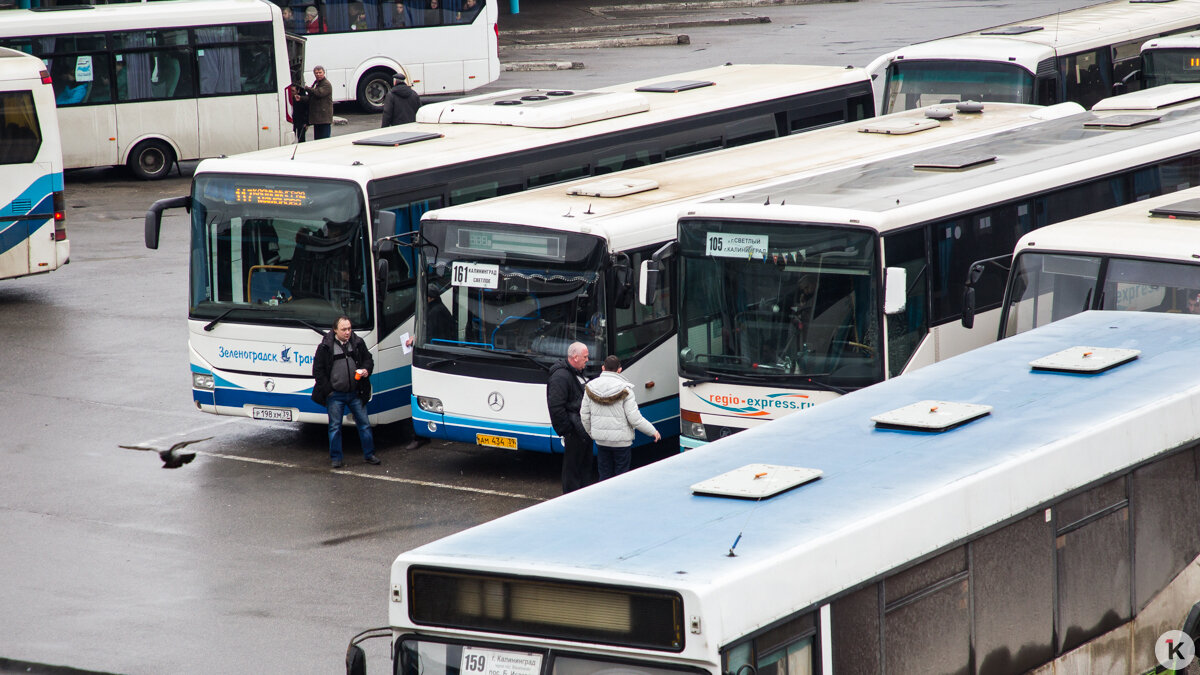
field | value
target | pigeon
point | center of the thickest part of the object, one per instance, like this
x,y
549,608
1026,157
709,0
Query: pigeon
x,y
171,457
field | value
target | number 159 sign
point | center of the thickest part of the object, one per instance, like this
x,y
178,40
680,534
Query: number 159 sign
x,y
476,661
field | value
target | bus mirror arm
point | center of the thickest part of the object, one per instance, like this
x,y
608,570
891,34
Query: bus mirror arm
x,y
154,216
356,658
649,276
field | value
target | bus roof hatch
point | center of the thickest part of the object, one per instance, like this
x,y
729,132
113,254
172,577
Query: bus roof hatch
x,y
537,108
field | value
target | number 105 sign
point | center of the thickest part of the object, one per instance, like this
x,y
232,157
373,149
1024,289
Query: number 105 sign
x,y
476,661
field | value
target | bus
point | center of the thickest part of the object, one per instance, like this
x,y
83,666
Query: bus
x,y
507,284
33,233
1029,506
1171,59
446,49
1138,257
261,279
1082,55
148,84
797,292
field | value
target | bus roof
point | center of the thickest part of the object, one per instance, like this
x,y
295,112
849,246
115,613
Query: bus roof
x,y
1061,33
899,191
15,64
339,156
134,15
668,184
1128,231
1189,40
886,498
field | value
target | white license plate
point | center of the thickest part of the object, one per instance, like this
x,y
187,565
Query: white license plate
x,y
277,414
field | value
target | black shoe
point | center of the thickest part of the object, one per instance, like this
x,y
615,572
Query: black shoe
x,y
337,464
372,459
416,443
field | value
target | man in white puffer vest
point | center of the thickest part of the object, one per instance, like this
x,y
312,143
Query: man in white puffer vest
x,y
610,415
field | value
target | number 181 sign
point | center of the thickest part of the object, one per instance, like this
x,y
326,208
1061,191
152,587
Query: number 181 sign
x,y
477,661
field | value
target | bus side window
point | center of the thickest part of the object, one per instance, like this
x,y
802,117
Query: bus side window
x,y
1088,76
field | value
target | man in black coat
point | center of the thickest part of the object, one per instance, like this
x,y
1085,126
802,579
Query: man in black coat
x,y
564,395
400,106
342,369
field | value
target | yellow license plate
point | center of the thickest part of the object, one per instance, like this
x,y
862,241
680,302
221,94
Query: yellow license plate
x,y
496,441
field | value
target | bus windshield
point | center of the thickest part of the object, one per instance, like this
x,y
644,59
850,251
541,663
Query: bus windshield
x,y
284,249
1170,66
1046,287
507,288
915,84
779,302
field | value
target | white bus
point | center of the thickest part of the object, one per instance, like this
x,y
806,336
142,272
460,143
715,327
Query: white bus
x,y
1051,530
259,278
847,278
148,84
517,279
444,49
1082,55
33,233
1171,59
1138,257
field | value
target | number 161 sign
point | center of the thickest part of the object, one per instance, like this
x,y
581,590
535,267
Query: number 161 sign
x,y
477,661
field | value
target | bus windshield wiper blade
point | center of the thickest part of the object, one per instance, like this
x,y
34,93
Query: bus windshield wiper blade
x,y
527,357
320,331
808,379
212,324
718,376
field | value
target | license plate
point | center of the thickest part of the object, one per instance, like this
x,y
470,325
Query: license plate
x,y
276,414
506,442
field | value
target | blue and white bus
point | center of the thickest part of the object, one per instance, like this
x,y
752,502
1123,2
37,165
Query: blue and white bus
x,y
33,233
1029,506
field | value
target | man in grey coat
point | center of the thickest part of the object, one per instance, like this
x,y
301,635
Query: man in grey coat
x,y
610,415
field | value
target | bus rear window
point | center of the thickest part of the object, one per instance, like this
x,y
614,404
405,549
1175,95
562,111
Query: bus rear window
x,y
20,135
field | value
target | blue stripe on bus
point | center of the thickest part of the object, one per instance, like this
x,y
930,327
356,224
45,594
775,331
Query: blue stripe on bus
x,y
537,437
238,398
16,232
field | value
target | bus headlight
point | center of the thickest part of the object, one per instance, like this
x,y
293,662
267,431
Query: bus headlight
x,y
430,404
694,430
202,381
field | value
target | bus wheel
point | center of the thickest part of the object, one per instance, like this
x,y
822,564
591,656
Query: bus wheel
x,y
373,89
151,160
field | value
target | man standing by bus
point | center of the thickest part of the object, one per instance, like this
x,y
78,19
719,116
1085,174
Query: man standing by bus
x,y
400,106
342,369
320,104
564,396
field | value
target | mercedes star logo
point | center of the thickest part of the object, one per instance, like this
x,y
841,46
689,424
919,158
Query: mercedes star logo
x,y
269,384
495,401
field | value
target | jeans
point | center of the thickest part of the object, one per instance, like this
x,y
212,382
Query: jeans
x,y
321,131
612,461
336,404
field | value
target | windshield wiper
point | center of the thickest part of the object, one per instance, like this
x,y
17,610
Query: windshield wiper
x,y
320,331
723,377
493,352
808,379
212,324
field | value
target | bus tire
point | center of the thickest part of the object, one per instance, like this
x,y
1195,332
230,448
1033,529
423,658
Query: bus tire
x,y
151,159
373,89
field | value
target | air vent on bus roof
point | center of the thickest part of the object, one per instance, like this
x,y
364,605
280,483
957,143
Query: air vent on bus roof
x,y
954,162
535,108
1121,121
393,139
1188,209
613,187
1154,98
898,127
1011,30
674,86
1085,360
756,481
930,416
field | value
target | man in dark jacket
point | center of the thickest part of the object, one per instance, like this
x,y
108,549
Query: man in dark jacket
x,y
342,369
320,104
400,106
564,395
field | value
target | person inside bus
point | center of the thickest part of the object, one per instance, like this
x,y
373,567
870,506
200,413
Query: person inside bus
x,y
467,13
1193,302
72,92
358,17
312,21
320,104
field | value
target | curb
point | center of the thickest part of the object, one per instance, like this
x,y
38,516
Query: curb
x,y
632,41
627,27
526,66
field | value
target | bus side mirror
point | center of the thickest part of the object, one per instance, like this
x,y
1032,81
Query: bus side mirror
x,y
968,300
648,280
385,224
622,285
356,661
381,279
154,216
895,291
